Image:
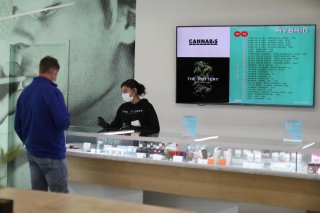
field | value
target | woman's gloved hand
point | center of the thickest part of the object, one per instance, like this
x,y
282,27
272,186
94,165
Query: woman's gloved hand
x,y
101,122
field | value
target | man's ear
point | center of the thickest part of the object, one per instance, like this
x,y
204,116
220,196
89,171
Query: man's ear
x,y
126,24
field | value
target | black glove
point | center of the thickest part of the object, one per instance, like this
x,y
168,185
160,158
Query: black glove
x,y
137,128
101,122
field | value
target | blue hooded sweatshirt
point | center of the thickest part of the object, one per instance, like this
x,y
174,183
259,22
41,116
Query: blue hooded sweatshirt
x,y
41,118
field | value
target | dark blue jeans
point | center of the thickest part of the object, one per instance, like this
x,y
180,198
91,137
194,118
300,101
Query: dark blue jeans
x,y
48,174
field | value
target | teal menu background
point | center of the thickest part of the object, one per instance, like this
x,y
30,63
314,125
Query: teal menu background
x,y
272,68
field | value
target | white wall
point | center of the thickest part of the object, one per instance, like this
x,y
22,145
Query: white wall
x,y
155,62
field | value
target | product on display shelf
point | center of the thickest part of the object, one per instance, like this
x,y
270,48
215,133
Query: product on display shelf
x,y
148,150
266,154
222,161
190,151
315,157
257,156
171,150
99,146
296,157
250,156
121,151
288,158
238,153
313,168
245,153
86,147
203,152
216,155
211,161
228,156
284,157
73,146
275,156
237,161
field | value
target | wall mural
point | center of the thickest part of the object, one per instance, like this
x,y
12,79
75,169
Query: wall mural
x,y
93,40
99,39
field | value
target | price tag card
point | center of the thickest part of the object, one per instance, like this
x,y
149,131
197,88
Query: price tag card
x,y
177,159
107,149
86,147
157,157
203,161
141,155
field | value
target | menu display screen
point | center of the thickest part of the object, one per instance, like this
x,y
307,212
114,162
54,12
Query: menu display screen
x,y
260,65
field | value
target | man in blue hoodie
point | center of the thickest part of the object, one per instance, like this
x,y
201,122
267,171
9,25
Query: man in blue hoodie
x,y
40,120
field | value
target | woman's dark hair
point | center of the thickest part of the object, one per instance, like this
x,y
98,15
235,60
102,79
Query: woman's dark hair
x,y
133,84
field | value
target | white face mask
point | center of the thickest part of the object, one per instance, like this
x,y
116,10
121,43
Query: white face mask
x,y
126,97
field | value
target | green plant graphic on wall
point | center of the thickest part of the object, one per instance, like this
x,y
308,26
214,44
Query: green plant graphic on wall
x,y
202,71
8,157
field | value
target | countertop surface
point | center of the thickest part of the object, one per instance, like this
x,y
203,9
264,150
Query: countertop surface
x,y
45,202
194,165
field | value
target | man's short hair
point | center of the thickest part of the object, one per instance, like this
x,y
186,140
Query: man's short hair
x,y
48,63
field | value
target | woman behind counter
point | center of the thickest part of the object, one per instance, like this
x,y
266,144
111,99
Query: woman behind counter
x,y
137,113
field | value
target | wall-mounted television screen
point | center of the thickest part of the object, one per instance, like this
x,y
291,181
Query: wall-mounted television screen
x,y
254,65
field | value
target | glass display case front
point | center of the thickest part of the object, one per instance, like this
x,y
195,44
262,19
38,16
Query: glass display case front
x,y
246,154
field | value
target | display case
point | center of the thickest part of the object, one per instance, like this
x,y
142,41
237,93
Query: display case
x,y
246,155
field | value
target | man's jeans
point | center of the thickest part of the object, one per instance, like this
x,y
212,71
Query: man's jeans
x,y
48,174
